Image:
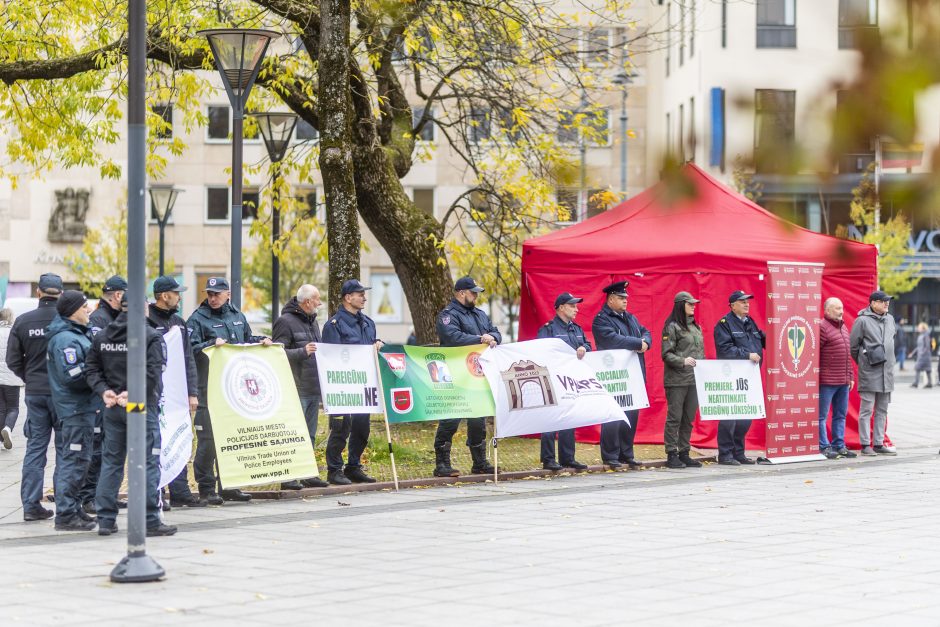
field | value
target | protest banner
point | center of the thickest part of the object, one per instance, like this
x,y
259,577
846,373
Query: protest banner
x,y
421,383
620,373
794,310
729,389
257,421
541,385
176,429
349,383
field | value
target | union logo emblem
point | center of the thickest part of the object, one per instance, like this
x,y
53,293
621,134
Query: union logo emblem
x,y
396,363
250,387
402,400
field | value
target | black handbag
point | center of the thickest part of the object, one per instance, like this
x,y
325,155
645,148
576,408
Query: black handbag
x,y
876,355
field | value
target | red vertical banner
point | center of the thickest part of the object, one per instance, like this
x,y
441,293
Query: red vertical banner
x,y
794,311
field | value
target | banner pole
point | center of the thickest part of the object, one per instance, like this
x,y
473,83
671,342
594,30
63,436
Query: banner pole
x,y
495,457
388,430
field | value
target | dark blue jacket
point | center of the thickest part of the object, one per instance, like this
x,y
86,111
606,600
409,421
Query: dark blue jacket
x,y
102,316
26,347
569,332
66,352
106,363
206,325
347,328
459,325
612,330
737,339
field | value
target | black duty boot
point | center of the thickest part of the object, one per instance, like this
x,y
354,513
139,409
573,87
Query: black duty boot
x,y
235,495
688,461
673,460
357,475
480,465
442,467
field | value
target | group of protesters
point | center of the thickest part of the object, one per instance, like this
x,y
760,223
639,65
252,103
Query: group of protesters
x,y
72,363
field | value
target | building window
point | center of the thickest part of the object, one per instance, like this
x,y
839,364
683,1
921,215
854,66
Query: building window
x,y
724,23
668,36
693,140
594,124
217,204
567,198
774,128
680,135
304,131
424,199
681,34
567,132
776,23
251,198
219,123
427,132
479,126
306,199
165,113
596,46
595,204
692,30
668,134
598,131
858,152
858,22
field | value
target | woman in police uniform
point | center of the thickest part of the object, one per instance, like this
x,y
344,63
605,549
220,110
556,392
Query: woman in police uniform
x,y
682,345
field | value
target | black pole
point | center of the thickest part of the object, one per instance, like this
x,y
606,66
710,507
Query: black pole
x,y
162,224
275,235
136,566
237,122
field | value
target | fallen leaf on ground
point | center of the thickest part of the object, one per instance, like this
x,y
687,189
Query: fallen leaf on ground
x,y
342,504
207,551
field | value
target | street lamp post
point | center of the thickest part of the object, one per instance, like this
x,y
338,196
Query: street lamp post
x,y
163,198
623,79
136,565
276,130
238,53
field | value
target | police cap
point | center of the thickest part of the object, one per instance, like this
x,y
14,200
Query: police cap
x,y
351,286
467,283
617,288
565,298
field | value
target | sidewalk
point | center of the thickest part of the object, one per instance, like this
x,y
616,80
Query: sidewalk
x,y
823,543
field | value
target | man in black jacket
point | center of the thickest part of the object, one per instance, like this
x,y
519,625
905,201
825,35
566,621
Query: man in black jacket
x,y
26,358
297,329
615,327
215,322
109,305
106,373
162,316
462,323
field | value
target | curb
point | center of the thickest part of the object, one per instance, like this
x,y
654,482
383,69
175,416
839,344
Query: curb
x,y
430,482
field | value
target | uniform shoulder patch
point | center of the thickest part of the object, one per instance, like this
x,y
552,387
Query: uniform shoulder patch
x,y
71,356
445,317
332,320
665,337
723,321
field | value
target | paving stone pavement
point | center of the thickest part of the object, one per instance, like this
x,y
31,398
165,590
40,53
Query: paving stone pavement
x,y
823,543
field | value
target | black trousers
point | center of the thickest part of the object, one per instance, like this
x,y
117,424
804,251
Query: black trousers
x,y
565,446
731,434
9,405
476,431
204,459
617,438
355,429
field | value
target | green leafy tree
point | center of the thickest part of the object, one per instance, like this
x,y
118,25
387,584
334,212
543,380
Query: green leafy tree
x,y
103,254
892,238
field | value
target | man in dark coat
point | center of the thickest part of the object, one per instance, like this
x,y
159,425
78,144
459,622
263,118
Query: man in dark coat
x,y
615,327
297,329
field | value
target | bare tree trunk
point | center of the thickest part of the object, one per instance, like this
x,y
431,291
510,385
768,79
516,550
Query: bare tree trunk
x,y
407,235
336,162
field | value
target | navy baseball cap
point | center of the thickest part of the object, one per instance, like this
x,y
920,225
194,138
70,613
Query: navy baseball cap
x,y
166,284
879,295
467,283
739,295
115,284
217,284
617,288
352,286
565,298
51,283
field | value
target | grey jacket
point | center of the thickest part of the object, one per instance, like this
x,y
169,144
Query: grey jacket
x,y
869,332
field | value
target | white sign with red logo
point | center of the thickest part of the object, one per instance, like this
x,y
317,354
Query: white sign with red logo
x,y
349,381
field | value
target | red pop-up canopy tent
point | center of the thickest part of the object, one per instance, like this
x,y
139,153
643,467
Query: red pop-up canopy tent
x,y
710,242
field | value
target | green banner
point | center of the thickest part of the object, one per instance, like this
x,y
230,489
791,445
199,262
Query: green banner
x,y
420,383
257,421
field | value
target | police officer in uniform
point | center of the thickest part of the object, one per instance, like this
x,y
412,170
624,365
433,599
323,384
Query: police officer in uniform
x,y
461,323
737,337
162,316
615,327
107,376
297,329
349,326
215,322
26,357
69,340
567,330
109,305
